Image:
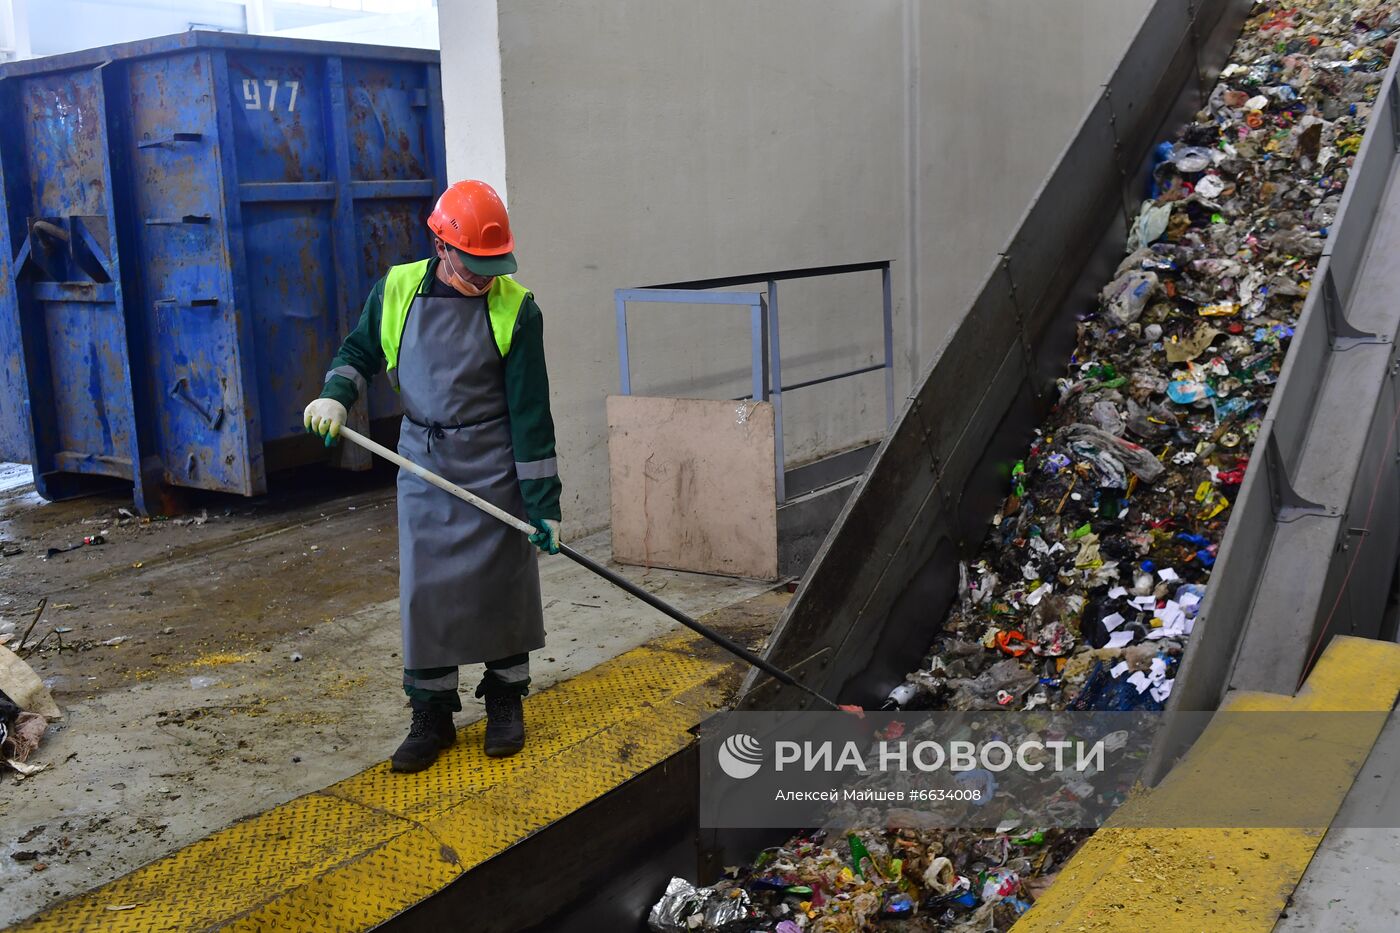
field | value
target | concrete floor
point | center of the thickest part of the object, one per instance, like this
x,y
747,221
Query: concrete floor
x,y
201,716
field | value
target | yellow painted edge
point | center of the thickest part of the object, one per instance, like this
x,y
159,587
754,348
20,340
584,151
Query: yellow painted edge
x,y
1230,879
335,859
613,694
474,827
361,893
230,871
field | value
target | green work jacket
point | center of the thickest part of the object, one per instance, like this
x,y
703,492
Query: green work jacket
x,y
518,330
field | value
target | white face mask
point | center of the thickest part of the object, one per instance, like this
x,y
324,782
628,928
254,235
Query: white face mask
x,y
462,285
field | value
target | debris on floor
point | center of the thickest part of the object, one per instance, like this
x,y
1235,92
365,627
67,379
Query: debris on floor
x,y
87,541
17,746
1095,567
24,688
20,733
26,706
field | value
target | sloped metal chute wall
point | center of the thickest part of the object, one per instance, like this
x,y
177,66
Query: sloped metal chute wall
x,y
1311,549
884,579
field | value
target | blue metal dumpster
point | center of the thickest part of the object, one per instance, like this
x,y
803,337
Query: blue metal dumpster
x,y
188,226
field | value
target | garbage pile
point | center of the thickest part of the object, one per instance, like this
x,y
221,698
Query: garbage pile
x,y
905,880
1090,581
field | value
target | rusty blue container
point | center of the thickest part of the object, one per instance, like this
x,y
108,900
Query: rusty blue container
x,y
190,225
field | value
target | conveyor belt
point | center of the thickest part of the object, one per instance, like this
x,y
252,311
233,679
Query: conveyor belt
x,y
889,569
1314,534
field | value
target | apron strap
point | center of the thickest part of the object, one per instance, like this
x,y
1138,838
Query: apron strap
x,y
439,431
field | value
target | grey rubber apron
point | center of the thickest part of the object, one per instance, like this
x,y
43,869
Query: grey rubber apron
x,y
469,587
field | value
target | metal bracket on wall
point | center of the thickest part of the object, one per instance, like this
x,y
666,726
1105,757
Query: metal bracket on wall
x,y
1341,335
1353,533
181,390
168,142
66,248
1288,505
762,692
172,303
925,432
1205,83
53,231
1124,203
1027,354
1395,113
91,254
177,221
44,248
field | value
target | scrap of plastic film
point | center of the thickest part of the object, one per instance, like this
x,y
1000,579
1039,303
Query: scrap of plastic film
x,y
1114,514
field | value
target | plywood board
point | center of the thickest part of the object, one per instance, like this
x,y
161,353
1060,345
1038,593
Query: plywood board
x,y
693,486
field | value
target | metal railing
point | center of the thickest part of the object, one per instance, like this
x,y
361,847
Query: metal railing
x,y
764,336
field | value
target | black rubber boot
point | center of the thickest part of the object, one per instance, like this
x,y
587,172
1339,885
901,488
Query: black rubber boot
x,y
430,732
505,724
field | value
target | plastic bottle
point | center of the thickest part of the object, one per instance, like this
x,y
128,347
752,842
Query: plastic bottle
x,y
900,696
862,861
1185,392
898,905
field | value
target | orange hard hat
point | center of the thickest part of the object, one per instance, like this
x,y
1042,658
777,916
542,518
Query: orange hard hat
x,y
470,216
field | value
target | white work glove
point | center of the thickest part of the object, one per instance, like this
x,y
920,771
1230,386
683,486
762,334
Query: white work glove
x,y
326,417
547,538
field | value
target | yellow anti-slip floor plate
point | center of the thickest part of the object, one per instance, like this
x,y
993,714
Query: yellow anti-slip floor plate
x,y
1238,880
356,853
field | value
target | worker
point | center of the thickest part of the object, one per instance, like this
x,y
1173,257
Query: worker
x,y
463,343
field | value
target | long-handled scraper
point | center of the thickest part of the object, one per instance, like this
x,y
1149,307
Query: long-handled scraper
x,y
526,528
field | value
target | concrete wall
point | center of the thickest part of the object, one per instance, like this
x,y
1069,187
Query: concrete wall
x,y
648,141
1003,86
474,129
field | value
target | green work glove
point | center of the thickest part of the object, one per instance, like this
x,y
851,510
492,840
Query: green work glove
x,y
325,417
547,538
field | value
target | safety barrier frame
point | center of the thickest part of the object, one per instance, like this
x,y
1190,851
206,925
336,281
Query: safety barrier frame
x,y
764,337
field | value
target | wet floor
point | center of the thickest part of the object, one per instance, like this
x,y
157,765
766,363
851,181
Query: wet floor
x,y
217,663
228,575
